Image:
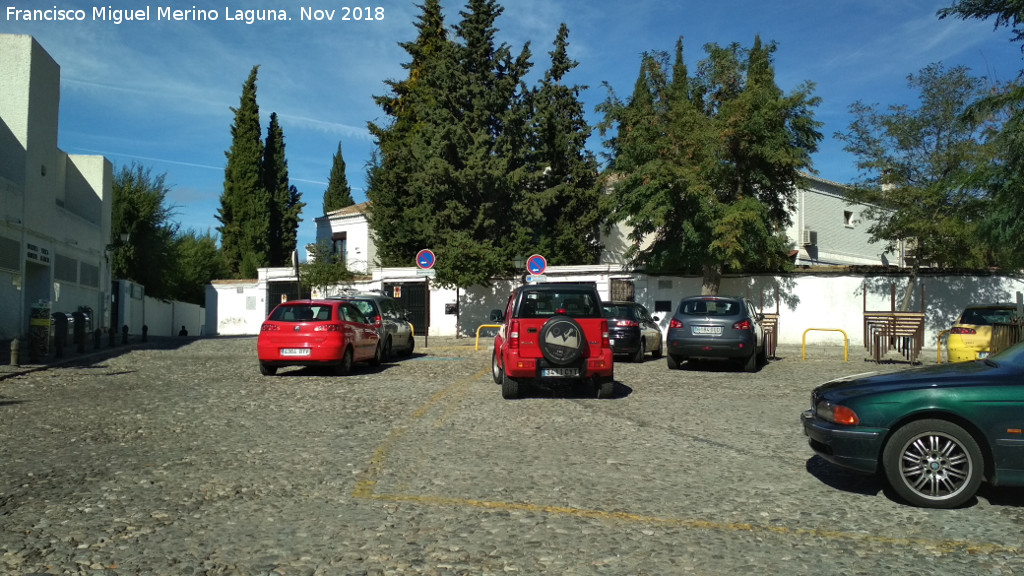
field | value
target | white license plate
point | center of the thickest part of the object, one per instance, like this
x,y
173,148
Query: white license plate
x,y
707,330
560,372
294,351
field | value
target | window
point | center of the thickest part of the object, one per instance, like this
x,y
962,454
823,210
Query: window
x,y
848,218
339,245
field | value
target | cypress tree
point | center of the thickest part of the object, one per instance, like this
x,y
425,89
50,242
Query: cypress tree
x,y
243,213
338,194
285,200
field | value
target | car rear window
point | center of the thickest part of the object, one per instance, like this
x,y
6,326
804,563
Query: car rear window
x,y
547,303
986,316
301,313
620,312
710,307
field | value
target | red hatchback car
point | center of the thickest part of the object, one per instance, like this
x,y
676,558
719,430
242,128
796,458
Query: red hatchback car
x,y
316,333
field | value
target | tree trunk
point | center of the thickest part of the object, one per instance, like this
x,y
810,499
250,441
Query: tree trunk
x,y
909,290
712,280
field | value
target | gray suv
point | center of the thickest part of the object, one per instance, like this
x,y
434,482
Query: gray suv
x,y
716,327
391,320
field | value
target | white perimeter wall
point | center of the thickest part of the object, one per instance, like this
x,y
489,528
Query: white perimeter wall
x,y
814,300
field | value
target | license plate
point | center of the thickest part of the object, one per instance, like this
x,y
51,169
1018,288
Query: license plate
x,y
707,330
294,351
560,372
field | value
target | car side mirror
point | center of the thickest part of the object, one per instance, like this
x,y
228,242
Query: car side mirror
x,y
497,316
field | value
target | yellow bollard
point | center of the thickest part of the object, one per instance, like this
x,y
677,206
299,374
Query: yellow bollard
x,y
803,347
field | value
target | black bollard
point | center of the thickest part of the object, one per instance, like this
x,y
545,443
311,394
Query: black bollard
x,y
111,338
96,334
124,334
145,331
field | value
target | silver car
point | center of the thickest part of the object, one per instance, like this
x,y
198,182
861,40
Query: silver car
x,y
391,320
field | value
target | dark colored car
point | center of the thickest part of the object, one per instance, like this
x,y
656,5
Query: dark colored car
x,y
388,316
716,327
316,333
935,432
632,330
552,332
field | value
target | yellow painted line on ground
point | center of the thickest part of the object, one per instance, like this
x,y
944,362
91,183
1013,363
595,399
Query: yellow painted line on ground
x,y
367,482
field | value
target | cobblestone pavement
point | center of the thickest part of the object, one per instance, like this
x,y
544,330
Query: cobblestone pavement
x,y
179,458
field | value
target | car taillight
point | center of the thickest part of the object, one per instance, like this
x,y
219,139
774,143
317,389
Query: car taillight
x,y
327,328
741,325
513,335
627,323
269,328
605,339
376,321
675,324
961,330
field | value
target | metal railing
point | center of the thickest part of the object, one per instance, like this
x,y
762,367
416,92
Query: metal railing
x,y
481,327
803,346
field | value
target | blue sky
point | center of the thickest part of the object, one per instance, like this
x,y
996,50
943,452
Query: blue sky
x,y
159,92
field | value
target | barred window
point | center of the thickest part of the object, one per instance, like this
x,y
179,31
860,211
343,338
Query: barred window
x,y
90,275
65,269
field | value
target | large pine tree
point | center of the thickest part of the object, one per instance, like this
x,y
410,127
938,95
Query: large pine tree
x,y
286,204
243,212
560,204
338,194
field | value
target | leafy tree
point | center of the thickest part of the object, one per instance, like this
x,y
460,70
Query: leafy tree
x,y
323,269
918,165
560,204
285,204
198,261
1008,13
1002,178
244,210
705,168
140,209
338,194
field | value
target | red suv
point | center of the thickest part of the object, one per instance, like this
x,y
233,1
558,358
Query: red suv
x,y
552,333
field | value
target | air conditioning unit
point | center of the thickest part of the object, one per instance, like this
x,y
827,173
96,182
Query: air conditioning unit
x,y
810,238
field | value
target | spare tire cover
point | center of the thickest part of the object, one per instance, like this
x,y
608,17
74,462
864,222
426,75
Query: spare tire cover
x,y
562,340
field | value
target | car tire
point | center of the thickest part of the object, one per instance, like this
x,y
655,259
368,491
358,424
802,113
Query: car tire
x,y
412,346
496,372
656,353
378,354
762,356
638,356
673,362
388,351
933,464
509,387
605,386
561,340
750,364
344,368
267,370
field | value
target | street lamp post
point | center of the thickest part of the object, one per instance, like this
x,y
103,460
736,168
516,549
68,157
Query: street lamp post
x,y
519,262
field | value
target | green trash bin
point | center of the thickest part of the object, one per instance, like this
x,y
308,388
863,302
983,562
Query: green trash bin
x,y
38,333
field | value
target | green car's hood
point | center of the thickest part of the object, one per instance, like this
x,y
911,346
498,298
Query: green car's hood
x,y
945,375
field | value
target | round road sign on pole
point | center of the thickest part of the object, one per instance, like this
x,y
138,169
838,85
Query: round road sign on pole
x,y
536,264
425,259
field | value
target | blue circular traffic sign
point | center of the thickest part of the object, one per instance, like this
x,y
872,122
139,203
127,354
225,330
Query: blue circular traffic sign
x,y
425,259
536,264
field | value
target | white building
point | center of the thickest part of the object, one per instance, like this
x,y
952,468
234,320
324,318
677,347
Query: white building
x,y
54,207
347,232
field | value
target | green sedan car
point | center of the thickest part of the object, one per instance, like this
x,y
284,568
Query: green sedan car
x,y
935,432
